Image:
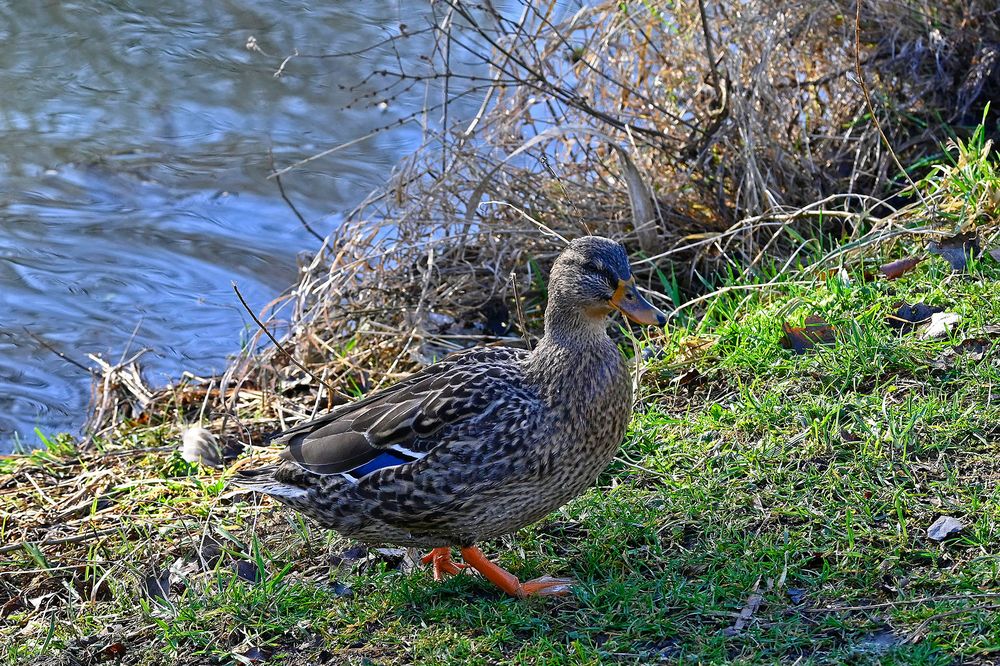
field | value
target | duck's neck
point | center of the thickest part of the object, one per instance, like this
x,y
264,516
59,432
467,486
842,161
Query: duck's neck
x,y
574,327
575,348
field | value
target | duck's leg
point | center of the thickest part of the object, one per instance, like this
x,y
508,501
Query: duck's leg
x,y
508,582
443,566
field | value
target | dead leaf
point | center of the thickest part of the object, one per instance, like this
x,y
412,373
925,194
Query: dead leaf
x,y
645,218
690,377
802,338
896,269
341,590
349,556
396,558
255,655
974,348
247,570
995,254
944,527
957,249
210,551
849,437
114,651
908,317
653,353
13,604
747,612
977,347
940,325
157,585
881,641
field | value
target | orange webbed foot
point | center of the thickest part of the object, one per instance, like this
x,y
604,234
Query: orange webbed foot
x,y
508,582
440,558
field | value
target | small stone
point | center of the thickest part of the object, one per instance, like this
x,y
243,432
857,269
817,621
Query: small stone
x,y
944,527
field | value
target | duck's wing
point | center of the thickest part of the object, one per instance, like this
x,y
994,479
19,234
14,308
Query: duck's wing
x,y
393,426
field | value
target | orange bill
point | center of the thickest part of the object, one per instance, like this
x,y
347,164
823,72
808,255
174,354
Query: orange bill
x,y
630,303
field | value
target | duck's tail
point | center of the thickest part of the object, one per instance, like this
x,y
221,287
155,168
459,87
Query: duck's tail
x,y
264,480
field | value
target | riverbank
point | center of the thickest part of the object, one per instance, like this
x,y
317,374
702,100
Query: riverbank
x,y
800,428
767,505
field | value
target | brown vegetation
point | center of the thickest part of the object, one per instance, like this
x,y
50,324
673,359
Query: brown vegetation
x,y
751,147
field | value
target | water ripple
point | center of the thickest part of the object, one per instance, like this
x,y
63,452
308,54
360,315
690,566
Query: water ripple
x,y
133,179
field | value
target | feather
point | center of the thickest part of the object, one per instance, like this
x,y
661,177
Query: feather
x,y
263,480
402,420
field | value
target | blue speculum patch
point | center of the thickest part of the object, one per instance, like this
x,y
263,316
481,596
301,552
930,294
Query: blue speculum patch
x,y
380,461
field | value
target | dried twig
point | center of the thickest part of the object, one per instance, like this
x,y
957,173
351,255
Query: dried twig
x,y
277,344
288,201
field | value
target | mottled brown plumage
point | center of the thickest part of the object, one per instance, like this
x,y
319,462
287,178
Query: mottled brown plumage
x,y
482,443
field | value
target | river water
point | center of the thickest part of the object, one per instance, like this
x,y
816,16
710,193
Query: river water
x,y
134,154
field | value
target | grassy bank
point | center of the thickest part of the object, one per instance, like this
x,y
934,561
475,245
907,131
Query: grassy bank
x,y
767,506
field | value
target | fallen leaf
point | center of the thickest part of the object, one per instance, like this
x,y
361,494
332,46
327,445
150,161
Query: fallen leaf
x,y
341,590
690,377
940,325
974,348
896,269
802,338
157,585
881,641
349,556
957,249
796,595
114,651
944,527
908,317
746,613
653,353
849,437
255,655
15,603
395,558
210,551
995,254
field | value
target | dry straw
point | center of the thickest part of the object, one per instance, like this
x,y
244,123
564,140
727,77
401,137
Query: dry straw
x,y
617,119
707,137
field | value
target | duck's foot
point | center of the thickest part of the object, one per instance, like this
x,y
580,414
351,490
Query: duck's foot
x,y
443,564
508,582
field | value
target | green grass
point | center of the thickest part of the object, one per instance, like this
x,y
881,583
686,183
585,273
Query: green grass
x,y
809,480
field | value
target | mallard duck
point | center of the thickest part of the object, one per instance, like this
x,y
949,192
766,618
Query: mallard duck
x,y
483,442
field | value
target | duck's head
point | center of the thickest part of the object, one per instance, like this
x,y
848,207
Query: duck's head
x,y
591,279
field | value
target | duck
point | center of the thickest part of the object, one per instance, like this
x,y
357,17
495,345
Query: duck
x,y
483,442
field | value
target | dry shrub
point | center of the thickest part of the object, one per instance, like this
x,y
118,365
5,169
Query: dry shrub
x,y
743,146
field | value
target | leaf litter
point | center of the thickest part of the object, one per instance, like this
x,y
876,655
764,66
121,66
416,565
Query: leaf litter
x,y
908,317
957,249
801,339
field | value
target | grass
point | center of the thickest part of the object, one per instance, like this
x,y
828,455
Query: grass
x,y
766,507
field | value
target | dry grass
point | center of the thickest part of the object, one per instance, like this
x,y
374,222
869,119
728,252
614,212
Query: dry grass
x,y
759,159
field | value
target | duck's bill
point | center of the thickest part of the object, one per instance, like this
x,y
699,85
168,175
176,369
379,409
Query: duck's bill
x,y
630,303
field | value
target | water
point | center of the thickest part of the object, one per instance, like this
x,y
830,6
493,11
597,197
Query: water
x,y
134,141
